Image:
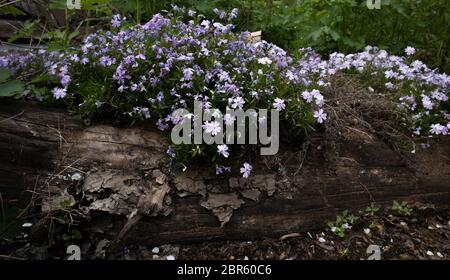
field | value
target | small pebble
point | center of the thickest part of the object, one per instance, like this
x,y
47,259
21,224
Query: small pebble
x,y
438,226
27,225
429,253
322,240
430,227
155,250
245,258
367,230
439,255
403,224
170,258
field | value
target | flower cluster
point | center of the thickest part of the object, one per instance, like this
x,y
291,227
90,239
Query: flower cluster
x,y
422,94
148,71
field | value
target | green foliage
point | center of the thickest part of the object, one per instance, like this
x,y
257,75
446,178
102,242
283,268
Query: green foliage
x,y
343,222
372,209
401,208
8,87
330,25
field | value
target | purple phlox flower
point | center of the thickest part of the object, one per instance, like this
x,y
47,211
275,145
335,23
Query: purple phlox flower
x,y
307,96
213,127
233,14
278,104
116,21
59,93
438,129
223,150
426,102
320,115
237,102
222,169
410,51
187,74
246,169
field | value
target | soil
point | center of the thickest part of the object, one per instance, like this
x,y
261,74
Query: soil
x,y
424,234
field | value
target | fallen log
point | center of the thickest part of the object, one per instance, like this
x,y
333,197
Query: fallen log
x,y
128,195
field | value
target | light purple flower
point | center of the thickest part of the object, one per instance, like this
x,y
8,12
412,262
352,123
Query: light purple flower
x,y
320,115
410,51
246,169
237,102
223,150
438,129
278,104
213,127
59,92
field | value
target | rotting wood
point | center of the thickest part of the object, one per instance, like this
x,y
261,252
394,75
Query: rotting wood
x,y
40,143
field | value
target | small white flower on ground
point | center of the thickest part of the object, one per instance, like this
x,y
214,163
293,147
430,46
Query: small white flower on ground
x,y
429,253
155,250
278,104
223,150
346,226
246,169
410,50
170,258
27,225
367,230
439,254
333,229
322,240
320,115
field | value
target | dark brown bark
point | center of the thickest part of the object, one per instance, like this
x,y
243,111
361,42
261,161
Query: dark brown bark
x,y
283,196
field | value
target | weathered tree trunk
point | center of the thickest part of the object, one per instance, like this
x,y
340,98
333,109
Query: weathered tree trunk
x,y
122,172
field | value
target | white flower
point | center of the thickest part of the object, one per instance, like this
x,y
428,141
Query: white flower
x,y
278,104
237,102
367,230
223,150
322,240
212,127
246,169
410,51
264,61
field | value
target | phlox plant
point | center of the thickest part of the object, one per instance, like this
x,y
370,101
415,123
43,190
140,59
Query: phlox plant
x,y
148,71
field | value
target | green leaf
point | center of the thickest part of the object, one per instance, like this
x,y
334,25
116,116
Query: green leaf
x,y
11,88
5,73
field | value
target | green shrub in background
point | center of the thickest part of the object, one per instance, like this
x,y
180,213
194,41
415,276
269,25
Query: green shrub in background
x,y
332,25
327,25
